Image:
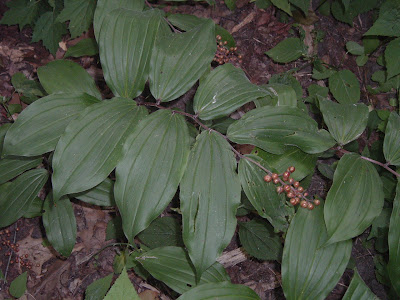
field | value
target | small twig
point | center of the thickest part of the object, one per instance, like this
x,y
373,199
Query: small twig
x,y
9,259
385,166
110,245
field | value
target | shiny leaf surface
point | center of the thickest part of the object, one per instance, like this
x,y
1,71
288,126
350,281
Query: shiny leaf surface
x,y
11,167
394,242
391,143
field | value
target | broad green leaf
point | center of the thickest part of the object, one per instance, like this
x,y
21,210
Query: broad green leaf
x,y
277,95
30,89
210,195
172,266
3,131
259,240
286,51
21,12
80,15
98,289
92,145
85,47
148,175
262,195
221,290
39,127
354,200
354,48
346,122
35,208
345,87
392,58
104,7
224,90
125,44
304,5
272,128
310,270
50,31
293,156
179,60
283,4
361,60
358,289
326,170
388,23
60,224
102,194
66,76
19,194
122,289
231,4
187,22
114,229
346,4
391,144
370,44
394,242
164,231
287,79
12,166
18,285
324,74
120,261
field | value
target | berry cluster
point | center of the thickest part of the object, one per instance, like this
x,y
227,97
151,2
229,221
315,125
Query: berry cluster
x,y
12,250
292,188
224,54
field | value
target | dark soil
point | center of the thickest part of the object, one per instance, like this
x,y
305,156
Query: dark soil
x,y
255,31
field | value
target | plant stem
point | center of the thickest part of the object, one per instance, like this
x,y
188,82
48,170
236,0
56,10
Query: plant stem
x,y
385,166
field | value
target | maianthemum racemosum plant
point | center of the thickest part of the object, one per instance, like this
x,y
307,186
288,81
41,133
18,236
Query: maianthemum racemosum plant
x,y
75,139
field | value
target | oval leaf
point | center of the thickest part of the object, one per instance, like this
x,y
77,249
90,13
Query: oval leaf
x,y
279,95
391,143
354,200
345,87
104,7
259,240
172,266
66,76
98,289
91,146
162,232
147,177
102,194
262,195
125,44
222,290
286,51
60,224
19,194
223,91
346,122
293,156
271,128
210,195
3,130
122,289
392,58
305,262
394,242
11,167
18,285
358,289
179,60
39,126
85,47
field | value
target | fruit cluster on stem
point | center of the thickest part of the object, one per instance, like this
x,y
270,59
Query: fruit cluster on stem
x,y
224,54
292,188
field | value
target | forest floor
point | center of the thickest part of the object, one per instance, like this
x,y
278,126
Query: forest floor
x,y
255,32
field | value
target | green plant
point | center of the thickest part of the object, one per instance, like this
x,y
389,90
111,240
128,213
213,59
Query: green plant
x,y
154,148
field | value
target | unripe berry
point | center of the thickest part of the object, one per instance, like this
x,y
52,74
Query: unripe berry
x,y
292,169
276,181
291,180
297,200
275,176
296,184
310,206
279,189
286,174
300,189
286,188
267,178
293,201
305,194
303,204
317,202
290,195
